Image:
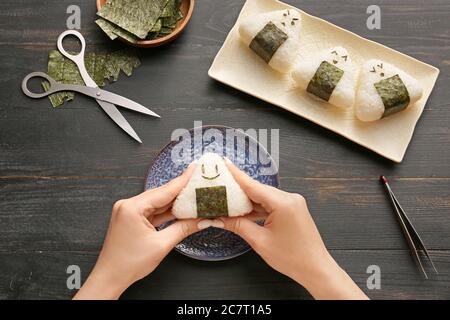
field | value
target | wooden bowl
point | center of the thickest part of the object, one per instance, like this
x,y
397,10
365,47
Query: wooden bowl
x,y
187,7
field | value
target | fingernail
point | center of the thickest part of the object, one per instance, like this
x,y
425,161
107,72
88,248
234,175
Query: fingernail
x,y
227,160
203,224
218,223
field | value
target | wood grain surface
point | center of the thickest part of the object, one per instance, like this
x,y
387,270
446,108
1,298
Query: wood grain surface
x,y
62,169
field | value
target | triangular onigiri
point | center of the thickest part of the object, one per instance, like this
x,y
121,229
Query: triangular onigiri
x,y
383,90
274,37
211,192
330,75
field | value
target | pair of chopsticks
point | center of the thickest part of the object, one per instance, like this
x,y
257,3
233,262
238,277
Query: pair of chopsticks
x,y
411,235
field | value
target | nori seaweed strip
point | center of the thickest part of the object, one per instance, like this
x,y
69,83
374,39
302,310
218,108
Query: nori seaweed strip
x,y
394,94
211,202
325,80
267,41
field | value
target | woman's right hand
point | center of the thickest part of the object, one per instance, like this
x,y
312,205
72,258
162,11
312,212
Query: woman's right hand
x,y
289,240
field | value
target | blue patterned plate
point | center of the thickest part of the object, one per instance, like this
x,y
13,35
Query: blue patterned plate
x,y
212,244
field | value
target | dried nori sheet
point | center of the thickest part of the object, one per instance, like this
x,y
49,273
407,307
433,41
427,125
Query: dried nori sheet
x,y
171,8
267,41
114,31
394,94
135,16
100,66
166,22
108,28
325,80
211,202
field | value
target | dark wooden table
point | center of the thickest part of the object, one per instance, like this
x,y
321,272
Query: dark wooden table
x,y
62,169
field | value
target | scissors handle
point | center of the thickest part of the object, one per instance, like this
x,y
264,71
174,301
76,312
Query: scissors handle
x,y
78,58
54,86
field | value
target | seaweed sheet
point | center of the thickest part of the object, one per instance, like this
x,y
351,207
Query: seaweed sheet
x,y
108,28
211,202
135,16
325,80
100,66
394,94
164,25
267,41
114,31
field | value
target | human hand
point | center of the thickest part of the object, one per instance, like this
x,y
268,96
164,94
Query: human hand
x,y
133,248
289,240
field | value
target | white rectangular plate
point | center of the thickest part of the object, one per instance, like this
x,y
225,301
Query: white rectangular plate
x,y
237,66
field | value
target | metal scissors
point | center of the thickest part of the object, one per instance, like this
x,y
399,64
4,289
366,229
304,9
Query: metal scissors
x,y
107,100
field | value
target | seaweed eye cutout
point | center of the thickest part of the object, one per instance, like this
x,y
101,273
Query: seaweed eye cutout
x,y
336,54
204,176
380,66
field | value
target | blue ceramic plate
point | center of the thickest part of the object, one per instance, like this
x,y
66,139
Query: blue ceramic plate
x,y
212,244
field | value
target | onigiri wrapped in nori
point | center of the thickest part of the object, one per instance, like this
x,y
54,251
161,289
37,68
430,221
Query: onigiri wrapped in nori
x,y
211,192
274,37
383,90
330,75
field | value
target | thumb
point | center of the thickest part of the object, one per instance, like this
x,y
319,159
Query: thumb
x,y
256,191
177,232
246,229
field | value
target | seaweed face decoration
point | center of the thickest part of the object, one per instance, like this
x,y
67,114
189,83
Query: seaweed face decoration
x,y
325,80
394,94
215,175
267,41
211,202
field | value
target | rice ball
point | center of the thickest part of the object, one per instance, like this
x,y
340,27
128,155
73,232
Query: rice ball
x,y
274,36
383,90
330,75
211,192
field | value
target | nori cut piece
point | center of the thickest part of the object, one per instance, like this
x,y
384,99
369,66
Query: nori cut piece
x,y
267,41
100,66
325,80
394,94
125,60
211,202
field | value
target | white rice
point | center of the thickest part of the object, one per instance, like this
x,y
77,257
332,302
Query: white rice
x,y
185,206
343,95
369,105
284,58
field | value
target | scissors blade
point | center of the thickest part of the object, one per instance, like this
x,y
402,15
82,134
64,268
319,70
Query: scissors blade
x,y
124,102
118,118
